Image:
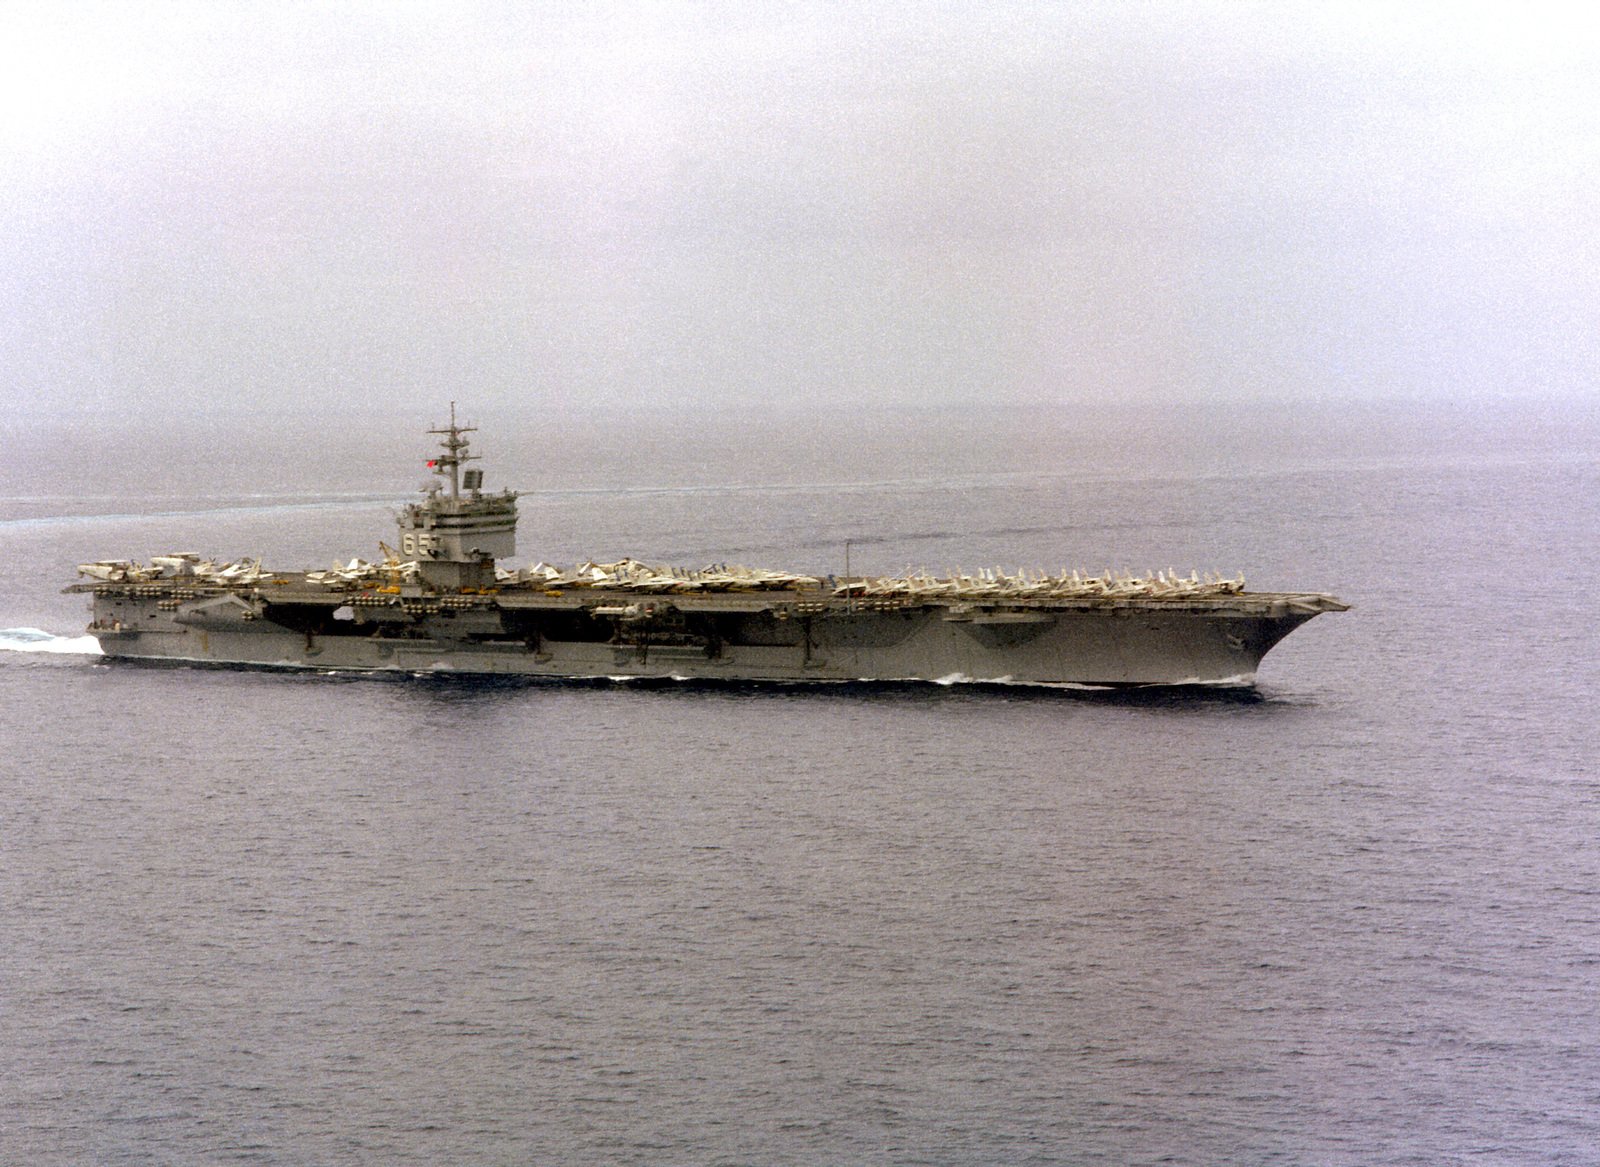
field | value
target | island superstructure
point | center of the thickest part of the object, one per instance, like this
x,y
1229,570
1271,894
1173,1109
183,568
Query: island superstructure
x,y
443,601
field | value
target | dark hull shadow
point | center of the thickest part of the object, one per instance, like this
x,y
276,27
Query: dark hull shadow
x,y
1128,696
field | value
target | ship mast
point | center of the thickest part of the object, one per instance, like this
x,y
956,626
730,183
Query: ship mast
x,y
455,452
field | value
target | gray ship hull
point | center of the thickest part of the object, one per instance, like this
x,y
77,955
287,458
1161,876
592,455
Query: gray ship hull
x,y
786,637
454,608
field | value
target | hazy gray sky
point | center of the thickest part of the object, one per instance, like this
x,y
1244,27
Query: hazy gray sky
x,y
218,205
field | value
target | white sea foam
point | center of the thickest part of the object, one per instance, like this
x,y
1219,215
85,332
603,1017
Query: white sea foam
x,y
35,640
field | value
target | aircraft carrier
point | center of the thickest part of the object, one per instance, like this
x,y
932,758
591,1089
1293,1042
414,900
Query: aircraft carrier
x,y
441,601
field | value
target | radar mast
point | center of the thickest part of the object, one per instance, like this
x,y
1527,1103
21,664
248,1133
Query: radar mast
x,y
455,453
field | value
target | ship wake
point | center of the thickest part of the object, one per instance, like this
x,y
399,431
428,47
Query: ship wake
x,y
35,640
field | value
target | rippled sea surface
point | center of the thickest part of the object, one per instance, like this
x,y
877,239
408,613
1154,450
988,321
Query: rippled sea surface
x,y
1350,917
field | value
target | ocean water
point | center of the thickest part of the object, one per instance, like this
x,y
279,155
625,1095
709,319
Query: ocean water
x,y
1350,917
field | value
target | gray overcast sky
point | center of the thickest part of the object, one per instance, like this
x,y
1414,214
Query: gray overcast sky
x,y
242,206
